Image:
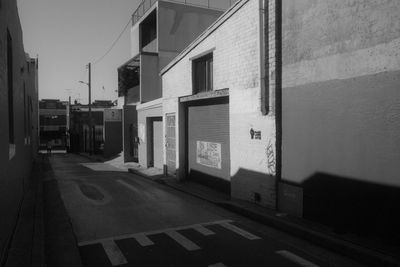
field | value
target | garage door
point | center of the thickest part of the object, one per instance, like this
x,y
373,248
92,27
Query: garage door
x,y
208,143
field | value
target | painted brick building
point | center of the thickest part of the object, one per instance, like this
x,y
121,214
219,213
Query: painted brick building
x,y
341,114
219,115
18,117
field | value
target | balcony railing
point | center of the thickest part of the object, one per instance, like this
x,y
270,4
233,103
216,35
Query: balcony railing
x,y
147,4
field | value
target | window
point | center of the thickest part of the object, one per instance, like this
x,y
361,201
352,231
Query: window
x,y
10,89
203,74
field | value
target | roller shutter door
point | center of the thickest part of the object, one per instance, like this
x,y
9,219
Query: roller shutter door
x,y
208,144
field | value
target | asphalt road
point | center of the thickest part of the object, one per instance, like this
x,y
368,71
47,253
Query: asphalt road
x,y
121,219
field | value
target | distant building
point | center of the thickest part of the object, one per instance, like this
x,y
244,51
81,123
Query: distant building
x,y
160,31
18,119
53,115
79,126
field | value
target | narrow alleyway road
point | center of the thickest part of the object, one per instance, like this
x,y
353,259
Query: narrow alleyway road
x,y
121,219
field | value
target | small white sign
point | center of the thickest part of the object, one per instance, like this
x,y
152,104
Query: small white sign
x,y
209,154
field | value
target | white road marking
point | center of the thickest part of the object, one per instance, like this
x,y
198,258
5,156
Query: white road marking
x,y
143,240
95,241
219,264
113,252
239,231
296,259
202,230
183,241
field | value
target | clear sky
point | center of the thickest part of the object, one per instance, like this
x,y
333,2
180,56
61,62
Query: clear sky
x,y
67,34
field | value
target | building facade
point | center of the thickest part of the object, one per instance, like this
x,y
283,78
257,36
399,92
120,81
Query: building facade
x,y
80,141
219,118
340,114
53,120
160,30
19,123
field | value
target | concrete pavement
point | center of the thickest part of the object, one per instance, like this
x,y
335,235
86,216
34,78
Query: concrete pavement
x,y
82,184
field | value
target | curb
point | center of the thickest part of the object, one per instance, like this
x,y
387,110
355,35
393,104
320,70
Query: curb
x,y
354,251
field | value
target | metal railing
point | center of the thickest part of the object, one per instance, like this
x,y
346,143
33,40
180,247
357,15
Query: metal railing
x,y
213,4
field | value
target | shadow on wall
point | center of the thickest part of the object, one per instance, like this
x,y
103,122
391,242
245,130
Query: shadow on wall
x,y
246,184
352,206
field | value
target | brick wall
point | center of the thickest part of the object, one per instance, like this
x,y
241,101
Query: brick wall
x,y
237,46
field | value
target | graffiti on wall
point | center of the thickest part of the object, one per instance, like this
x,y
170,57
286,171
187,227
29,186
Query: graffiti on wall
x,y
209,154
271,157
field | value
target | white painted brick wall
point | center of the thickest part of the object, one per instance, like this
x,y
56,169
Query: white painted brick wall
x,y
237,66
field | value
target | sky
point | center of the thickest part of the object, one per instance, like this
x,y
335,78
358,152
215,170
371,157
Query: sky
x,y
68,34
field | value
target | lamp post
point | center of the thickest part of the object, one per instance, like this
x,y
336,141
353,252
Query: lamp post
x,y
90,108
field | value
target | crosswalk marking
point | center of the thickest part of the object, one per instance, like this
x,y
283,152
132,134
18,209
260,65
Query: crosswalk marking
x,y
119,237
239,231
219,264
113,252
202,230
294,258
143,240
183,241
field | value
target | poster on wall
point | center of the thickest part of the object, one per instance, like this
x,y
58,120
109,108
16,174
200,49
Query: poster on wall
x,y
209,154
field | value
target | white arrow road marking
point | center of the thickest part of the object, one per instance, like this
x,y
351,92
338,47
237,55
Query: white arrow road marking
x,y
239,231
294,258
113,252
183,241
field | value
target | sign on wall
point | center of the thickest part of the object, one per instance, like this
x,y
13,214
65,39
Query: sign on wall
x,y
112,114
209,154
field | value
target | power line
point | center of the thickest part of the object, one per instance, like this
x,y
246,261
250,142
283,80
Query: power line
x,y
113,44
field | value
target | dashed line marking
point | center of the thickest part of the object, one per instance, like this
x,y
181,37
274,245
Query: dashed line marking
x,y
239,231
113,252
296,259
183,241
143,240
219,264
202,230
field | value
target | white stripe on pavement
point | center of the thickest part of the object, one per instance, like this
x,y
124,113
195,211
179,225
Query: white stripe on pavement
x,y
239,231
143,240
296,259
202,230
113,252
183,241
219,264
154,232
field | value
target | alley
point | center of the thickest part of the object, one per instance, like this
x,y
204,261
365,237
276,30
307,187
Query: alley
x,y
121,219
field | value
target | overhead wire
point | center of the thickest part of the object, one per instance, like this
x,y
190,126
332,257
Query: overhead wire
x,y
113,44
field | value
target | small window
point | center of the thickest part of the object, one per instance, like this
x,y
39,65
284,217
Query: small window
x,y
203,74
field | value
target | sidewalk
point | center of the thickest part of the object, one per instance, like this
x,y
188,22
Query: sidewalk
x,y
364,251
43,235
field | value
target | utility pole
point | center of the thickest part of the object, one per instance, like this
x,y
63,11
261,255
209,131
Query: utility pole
x,y
90,111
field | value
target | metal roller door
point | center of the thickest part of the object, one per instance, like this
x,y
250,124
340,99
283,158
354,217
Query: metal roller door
x,y
208,143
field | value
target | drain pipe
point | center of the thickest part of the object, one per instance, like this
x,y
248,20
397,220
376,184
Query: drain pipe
x,y
271,75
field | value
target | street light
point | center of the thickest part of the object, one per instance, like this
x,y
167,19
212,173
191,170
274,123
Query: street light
x,y
90,109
